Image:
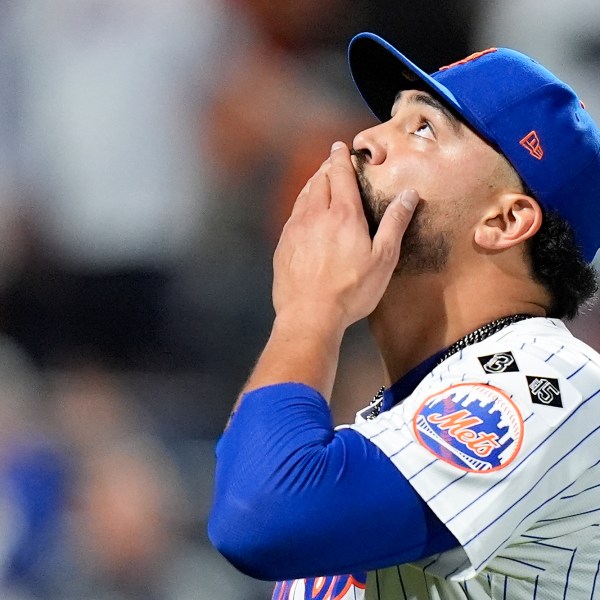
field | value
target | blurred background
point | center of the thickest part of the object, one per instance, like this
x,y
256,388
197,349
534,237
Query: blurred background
x,y
150,152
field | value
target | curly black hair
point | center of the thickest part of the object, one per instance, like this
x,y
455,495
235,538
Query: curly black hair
x,y
558,264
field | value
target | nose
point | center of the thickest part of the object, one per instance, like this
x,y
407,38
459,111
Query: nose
x,y
372,143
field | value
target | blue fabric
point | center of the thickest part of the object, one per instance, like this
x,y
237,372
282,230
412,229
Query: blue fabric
x,y
294,498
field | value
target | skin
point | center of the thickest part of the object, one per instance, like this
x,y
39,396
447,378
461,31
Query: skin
x,y
330,272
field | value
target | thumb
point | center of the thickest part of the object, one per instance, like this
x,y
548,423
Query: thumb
x,y
394,223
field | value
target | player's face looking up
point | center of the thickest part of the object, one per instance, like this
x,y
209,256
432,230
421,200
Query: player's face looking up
x,y
425,147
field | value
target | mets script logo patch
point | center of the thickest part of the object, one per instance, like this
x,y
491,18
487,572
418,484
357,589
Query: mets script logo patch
x,y
475,427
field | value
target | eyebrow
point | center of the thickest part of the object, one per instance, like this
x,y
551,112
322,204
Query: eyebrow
x,y
422,98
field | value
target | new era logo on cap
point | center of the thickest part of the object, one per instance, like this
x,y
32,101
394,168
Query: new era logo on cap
x,y
532,143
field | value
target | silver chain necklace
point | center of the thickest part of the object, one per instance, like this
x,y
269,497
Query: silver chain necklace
x,y
474,337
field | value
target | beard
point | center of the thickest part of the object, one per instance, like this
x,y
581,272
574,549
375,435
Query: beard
x,y
425,247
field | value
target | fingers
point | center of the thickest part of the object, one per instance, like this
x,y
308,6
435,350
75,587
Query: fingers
x,y
316,191
342,175
394,223
342,188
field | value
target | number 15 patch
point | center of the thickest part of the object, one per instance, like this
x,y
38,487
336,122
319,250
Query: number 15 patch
x,y
544,391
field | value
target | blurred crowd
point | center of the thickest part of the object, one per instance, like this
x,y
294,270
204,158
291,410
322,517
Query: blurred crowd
x,y
150,153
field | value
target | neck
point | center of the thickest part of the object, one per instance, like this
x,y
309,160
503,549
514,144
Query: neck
x,y
422,314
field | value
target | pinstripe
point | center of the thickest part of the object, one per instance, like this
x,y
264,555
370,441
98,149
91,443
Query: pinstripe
x,y
539,481
410,443
579,514
593,487
528,536
463,475
384,430
594,394
556,547
554,354
459,567
426,586
401,580
595,579
432,462
522,562
523,519
569,573
587,362
387,429
505,334
531,453
432,562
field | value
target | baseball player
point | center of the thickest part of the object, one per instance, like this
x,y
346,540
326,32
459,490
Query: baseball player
x,y
463,226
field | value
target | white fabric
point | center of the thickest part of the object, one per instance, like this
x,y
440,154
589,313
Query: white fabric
x,y
516,481
528,526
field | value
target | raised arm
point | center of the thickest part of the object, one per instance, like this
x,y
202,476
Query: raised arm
x,y
328,274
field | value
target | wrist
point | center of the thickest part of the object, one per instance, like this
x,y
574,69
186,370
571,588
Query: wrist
x,y
303,347
310,323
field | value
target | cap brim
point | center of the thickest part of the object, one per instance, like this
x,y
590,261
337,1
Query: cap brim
x,y
380,72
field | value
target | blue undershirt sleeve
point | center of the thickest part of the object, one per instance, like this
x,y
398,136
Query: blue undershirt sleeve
x,y
296,498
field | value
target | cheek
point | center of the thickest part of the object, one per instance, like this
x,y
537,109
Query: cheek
x,y
423,176
456,180
446,176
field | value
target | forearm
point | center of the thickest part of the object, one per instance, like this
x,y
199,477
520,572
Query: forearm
x,y
328,274
280,455
302,350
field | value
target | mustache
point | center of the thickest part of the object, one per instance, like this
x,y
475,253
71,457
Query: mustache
x,y
361,156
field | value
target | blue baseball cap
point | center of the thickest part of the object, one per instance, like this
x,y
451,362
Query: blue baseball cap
x,y
519,107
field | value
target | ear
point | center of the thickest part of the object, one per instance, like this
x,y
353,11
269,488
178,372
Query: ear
x,y
509,221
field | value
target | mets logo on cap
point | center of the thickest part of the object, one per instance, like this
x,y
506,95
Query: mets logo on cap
x,y
474,427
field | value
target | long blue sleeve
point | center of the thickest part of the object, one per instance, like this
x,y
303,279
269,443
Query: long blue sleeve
x,y
295,498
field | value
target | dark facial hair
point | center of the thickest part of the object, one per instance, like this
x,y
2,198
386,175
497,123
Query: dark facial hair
x,y
423,249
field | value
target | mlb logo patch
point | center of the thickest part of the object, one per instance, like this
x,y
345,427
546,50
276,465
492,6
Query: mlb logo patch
x,y
474,427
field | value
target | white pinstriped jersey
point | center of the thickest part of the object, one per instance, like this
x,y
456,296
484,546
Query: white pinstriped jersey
x,y
502,440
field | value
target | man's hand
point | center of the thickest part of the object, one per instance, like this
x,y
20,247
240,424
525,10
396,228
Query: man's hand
x,y
328,274
326,265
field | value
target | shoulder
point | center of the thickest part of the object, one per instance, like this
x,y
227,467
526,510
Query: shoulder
x,y
531,361
493,435
475,410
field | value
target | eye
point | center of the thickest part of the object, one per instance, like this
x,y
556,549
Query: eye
x,y
424,129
